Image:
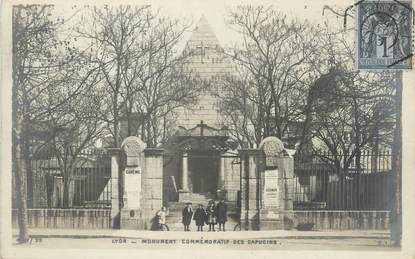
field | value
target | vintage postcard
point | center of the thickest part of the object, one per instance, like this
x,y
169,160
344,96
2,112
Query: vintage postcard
x,y
207,128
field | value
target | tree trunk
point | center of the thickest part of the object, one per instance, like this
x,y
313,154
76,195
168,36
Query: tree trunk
x,y
28,168
164,130
149,135
128,114
357,137
65,198
396,210
20,177
116,133
18,126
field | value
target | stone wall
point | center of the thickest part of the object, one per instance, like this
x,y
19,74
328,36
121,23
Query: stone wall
x,y
67,218
344,220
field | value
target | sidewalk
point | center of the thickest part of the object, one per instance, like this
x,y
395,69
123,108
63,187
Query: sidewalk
x,y
291,234
241,240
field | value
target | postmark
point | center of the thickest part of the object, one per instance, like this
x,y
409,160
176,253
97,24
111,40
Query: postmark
x,y
384,35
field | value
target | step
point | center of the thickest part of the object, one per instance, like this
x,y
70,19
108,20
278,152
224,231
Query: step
x,y
181,205
175,224
174,219
178,213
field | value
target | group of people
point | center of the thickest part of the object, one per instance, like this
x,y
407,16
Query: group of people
x,y
215,213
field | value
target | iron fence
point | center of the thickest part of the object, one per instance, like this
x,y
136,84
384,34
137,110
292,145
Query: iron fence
x,y
326,181
70,182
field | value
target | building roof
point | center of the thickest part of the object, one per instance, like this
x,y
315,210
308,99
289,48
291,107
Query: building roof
x,y
202,130
202,137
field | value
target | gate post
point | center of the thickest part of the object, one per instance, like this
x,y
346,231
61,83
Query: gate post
x,y
152,184
251,168
132,210
116,187
276,211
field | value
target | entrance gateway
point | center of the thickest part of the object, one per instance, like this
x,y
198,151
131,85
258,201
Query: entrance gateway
x,y
199,161
265,176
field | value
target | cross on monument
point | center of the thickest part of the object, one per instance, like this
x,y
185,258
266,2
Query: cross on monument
x,y
201,125
202,50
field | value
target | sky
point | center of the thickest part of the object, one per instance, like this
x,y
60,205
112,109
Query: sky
x,y
216,11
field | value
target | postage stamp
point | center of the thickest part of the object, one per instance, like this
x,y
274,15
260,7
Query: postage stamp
x,y
384,35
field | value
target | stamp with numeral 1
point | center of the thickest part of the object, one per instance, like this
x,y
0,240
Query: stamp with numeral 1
x,y
384,34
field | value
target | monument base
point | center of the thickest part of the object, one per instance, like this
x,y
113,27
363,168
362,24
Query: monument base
x,y
131,219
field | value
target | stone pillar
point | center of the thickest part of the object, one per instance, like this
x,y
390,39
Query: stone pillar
x,y
286,186
251,168
221,178
185,184
184,192
152,184
276,186
221,190
131,212
116,187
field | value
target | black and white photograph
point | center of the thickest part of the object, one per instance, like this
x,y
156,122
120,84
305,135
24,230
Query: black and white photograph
x,y
200,126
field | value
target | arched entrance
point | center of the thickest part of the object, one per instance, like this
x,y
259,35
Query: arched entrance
x,y
200,160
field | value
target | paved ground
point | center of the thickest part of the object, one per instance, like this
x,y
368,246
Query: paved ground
x,y
279,240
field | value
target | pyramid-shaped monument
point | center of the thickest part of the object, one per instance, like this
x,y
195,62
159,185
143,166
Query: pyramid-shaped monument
x,y
208,62
208,58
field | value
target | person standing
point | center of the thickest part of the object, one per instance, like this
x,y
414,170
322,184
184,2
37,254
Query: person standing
x,y
221,214
211,216
187,214
200,217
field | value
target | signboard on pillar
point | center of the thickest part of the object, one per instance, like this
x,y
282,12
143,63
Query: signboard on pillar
x,y
132,188
270,190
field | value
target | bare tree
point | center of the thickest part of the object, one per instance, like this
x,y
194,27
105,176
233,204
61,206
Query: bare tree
x,y
48,74
113,33
347,110
391,98
239,106
75,126
273,61
164,82
136,49
288,72
33,38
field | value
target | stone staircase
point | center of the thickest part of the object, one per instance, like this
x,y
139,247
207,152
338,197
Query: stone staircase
x,y
174,219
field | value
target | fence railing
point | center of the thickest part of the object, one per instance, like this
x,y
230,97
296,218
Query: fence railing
x,y
75,182
324,181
